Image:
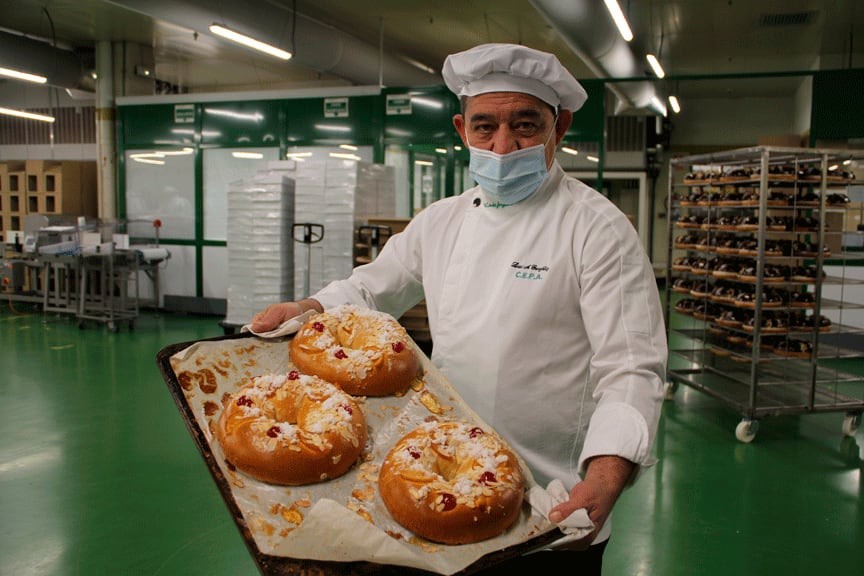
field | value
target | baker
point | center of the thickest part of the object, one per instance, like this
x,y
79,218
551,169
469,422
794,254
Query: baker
x,y
543,306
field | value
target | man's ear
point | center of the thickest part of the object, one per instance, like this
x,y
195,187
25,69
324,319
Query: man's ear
x,y
459,124
565,118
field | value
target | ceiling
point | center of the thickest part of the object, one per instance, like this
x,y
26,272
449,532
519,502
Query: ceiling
x,y
695,39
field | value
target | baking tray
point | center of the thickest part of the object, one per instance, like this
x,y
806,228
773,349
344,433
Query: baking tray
x,y
338,527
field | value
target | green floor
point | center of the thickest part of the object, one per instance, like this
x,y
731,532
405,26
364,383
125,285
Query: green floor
x,y
99,476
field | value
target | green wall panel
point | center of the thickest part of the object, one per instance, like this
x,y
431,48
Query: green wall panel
x,y
838,99
307,124
429,119
589,121
157,124
252,123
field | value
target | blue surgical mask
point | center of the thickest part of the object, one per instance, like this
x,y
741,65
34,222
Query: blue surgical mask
x,y
509,178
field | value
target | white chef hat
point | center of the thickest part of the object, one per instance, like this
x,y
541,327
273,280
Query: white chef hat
x,y
513,68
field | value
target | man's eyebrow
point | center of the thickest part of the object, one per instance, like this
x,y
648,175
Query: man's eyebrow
x,y
516,115
482,117
526,113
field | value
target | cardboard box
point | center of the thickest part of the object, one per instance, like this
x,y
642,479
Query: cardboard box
x,y
38,166
14,204
35,181
781,140
834,231
33,204
14,181
853,217
12,166
50,187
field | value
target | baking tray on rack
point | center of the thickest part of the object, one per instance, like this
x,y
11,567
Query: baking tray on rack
x,y
338,527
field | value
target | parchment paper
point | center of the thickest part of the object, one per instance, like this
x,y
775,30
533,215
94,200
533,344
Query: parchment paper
x,y
342,519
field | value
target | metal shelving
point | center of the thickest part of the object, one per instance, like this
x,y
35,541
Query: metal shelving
x,y
751,232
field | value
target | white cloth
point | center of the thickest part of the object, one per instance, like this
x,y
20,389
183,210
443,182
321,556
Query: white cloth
x,y
513,68
545,317
288,327
575,526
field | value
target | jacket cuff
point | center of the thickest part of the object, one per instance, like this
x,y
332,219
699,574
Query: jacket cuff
x,y
617,429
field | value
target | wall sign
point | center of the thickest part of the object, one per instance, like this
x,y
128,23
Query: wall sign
x,y
398,104
184,113
336,107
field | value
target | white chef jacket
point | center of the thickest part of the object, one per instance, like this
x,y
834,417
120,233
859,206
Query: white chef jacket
x,y
544,315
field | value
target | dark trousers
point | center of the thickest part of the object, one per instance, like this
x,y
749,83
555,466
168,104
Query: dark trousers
x,y
557,562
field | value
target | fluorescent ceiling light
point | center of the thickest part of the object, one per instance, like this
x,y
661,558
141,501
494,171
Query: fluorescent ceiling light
x,y
35,78
332,128
150,161
191,132
620,20
27,115
250,42
418,65
427,102
161,154
569,150
344,156
441,150
593,158
182,152
248,155
423,163
676,106
252,116
348,147
655,65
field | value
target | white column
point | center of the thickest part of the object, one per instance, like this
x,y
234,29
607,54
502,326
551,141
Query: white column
x,y
105,131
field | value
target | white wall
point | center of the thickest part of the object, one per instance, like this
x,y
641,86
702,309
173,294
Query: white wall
x,y
803,106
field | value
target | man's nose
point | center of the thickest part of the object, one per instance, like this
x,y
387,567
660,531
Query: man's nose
x,y
504,141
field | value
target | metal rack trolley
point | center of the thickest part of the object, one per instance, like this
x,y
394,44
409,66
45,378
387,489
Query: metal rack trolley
x,y
763,341
104,294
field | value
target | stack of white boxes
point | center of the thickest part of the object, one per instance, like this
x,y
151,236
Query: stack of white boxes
x,y
340,195
260,250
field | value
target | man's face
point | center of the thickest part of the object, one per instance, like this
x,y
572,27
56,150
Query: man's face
x,y
507,121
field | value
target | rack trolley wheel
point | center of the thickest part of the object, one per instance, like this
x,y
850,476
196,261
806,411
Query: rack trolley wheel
x,y
746,430
851,423
669,390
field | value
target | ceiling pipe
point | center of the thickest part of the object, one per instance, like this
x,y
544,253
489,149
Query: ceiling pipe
x,y
585,26
63,68
315,45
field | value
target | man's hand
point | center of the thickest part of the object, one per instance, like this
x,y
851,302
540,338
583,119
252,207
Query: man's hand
x,y
275,314
597,493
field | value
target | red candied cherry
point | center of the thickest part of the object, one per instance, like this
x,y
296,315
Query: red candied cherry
x,y
293,375
341,354
244,401
475,432
397,347
488,478
414,453
347,408
448,502
273,431
318,326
